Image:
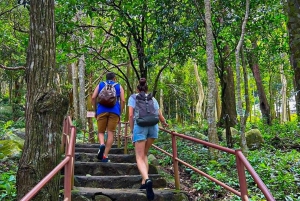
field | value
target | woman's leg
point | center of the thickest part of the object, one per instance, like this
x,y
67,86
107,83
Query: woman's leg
x,y
148,144
140,159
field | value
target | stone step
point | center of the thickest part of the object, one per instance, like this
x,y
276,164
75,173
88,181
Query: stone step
x,y
113,182
109,169
95,145
95,150
114,158
100,194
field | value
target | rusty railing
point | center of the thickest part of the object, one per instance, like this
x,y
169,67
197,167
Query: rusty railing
x,y
68,144
241,163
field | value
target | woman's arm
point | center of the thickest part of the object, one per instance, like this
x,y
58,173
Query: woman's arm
x,y
162,119
130,113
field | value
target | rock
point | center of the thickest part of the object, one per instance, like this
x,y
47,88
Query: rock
x,y
20,133
200,136
254,139
10,148
102,198
234,133
152,160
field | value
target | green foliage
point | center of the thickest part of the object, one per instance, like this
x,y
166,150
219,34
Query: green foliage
x,y
278,167
7,186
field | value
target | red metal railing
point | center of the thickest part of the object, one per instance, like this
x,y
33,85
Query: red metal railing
x,y
241,163
68,144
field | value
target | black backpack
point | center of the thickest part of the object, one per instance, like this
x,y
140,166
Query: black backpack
x,y
147,114
108,95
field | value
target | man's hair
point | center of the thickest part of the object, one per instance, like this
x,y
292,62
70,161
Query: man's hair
x,y
110,76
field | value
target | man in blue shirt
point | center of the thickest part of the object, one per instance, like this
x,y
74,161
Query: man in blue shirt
x,y
107,117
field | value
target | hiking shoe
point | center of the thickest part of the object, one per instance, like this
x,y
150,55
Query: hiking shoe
x,y
143,186
101,152
149,189
105,160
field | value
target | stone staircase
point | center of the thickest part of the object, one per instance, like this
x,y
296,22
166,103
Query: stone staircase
x,y
117,180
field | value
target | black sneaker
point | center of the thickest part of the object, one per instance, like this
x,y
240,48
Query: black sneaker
x,y
143,186
149,189
101,152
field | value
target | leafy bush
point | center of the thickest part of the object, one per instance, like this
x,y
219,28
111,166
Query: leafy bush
x,y
7,186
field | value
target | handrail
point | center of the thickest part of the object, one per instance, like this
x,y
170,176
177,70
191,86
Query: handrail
x,y
68,139
242,164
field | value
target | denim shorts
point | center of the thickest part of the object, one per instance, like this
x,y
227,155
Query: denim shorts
x,y
143,133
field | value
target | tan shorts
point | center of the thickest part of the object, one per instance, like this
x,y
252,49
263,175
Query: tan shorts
x,y
107,121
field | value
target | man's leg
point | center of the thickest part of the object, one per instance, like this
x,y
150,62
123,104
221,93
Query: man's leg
x,y
112,123
109,142
101,123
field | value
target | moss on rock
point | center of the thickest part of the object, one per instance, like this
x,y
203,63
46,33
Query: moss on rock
x,y
10,148
254,139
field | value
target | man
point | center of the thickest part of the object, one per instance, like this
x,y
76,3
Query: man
x,y
107,117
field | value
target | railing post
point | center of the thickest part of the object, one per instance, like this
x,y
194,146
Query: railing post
x,y
175,163
125,140
242,177
73,157
119,132
68,170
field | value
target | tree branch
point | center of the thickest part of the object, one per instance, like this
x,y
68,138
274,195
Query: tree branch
x,y
7,11
13,68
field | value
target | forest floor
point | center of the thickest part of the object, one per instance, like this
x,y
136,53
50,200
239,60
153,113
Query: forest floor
x,y
186,185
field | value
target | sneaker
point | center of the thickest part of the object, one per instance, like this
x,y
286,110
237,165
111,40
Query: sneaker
x,y
105,160
101,152
143,186
149,189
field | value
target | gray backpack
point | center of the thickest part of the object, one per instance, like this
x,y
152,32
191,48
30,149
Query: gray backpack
x,y
144,105
108,95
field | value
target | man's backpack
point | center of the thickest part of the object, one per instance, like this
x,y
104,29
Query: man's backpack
x,y
147,114
108,95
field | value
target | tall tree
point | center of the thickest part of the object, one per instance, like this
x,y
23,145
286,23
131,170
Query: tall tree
x,y
212,86
254,65
293,11
45,106
238,78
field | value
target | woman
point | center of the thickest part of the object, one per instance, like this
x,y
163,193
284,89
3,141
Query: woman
x,y
143,138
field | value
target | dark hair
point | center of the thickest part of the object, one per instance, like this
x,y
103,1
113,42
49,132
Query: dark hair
x,y
142,86
110,76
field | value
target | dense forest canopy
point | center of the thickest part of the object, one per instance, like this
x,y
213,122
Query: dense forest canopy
x,y
234,67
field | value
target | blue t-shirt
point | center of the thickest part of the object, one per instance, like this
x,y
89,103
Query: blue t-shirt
x,y
117,108
131,103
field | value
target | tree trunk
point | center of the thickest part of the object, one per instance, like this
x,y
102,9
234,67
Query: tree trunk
x,y
75,90
200,92
238,82
161,97
246,87
211,103
263,102
228,112
218,104
82,101
283,117
90,108
45,107
293,12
